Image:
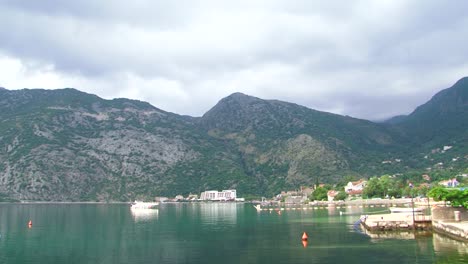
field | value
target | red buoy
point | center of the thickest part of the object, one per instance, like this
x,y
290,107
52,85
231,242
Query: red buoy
x,y
30,223
305,237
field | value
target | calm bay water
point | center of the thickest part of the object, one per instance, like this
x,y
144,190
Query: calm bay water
x,y
206,233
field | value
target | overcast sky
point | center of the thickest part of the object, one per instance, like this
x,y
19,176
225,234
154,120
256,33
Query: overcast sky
x,y
367,59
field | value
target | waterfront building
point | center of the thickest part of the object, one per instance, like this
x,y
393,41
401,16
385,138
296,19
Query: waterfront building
x,y
192,197
224,195
355,187
331,195
449,183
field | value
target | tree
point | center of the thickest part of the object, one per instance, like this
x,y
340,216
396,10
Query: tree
x,y
423,190
373,188
319,194
383,187
438,193
456,197
342,195
386,184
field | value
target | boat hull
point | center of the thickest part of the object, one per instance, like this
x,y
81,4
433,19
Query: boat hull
x,y
396,210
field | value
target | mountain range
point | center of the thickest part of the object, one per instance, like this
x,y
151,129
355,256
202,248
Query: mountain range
x,y
67,145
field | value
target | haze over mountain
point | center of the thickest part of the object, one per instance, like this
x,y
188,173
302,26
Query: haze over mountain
x,y
66,145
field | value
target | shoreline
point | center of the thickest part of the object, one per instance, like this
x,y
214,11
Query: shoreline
x,y
57,202
357,202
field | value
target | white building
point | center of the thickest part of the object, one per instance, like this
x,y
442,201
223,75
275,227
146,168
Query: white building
x,y
355,187
224,195
331,195
450,183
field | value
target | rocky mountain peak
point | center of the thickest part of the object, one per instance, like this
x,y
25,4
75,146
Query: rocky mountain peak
x,y
241,97
69,145
235,111
441,119
453,99
462,82
238,100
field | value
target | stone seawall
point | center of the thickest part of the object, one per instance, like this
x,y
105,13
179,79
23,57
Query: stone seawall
x,y
445,222
457,230
442,213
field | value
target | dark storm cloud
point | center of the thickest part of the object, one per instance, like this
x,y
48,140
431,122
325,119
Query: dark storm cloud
x,y
368,59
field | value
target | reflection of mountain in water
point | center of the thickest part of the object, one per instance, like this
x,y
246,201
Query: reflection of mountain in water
x,y
140,215
214,213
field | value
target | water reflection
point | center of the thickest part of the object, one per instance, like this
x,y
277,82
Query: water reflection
x,y
332,210
213,213
201,233
405,235
142,215
444,244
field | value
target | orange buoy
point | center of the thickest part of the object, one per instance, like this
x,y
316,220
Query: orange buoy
x,y
304,243
304,237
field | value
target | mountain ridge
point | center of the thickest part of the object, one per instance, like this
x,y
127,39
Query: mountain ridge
x,y
445,113
66,145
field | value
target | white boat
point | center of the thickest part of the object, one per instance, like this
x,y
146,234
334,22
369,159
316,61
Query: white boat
x,y
144,205
405,210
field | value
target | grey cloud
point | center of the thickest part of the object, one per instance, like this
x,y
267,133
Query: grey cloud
x,y
341,56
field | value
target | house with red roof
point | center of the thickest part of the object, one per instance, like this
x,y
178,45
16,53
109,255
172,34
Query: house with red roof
x,y
355,188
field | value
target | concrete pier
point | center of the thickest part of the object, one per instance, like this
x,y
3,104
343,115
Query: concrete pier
x,y
458,230
451,221
394,222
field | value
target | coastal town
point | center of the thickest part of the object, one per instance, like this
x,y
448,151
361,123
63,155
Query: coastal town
x,y
406,213
353,190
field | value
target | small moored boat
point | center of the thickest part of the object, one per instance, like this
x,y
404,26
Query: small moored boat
x,y
405,210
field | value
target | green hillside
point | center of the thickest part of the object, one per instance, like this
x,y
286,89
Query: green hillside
x,y
285,145
66,145
442,120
